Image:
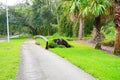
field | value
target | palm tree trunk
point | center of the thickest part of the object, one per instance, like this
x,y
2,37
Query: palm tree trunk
x,y
117,26
98,32
98,38
81,27
117,42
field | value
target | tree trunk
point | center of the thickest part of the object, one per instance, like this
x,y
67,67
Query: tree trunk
x,y
98,32
49,31
57,19
117,42
117,26
81,27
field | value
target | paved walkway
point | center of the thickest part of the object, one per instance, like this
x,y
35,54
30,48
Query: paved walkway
x,y
40,64
11,37
2,39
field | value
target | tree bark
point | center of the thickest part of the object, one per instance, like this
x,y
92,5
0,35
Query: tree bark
x,y
117,42
97,22
117,26
81,27
48,32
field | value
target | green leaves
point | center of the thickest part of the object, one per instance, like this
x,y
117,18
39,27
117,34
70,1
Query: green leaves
x,y
87,7
99,7
86,12
75,7
81,7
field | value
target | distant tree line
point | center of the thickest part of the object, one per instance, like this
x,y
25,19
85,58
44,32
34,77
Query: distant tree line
x,y
71,18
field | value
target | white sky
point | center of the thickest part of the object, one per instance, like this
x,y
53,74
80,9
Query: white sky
x,y
10,2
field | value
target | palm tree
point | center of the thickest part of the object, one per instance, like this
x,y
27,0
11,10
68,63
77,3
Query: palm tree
x,y
79,11
117,27
99,8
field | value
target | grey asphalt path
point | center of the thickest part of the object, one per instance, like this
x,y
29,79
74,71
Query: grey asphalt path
x,y
5,39
2,39
40,64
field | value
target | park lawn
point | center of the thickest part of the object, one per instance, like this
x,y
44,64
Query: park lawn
x,y
95,62
9,59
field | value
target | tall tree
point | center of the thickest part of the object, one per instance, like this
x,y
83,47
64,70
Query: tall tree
x,y
99,8
79,11
64,23
117,27
48,18
2,20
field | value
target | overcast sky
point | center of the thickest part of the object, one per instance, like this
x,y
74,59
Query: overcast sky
x,y
10,2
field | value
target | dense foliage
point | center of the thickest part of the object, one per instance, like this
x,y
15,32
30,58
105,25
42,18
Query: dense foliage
x,y
42,17
71,18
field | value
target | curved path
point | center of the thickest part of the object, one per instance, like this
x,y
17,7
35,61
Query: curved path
x,y
40,64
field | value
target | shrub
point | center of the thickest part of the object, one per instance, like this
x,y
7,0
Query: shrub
x,y
61,46
52,44
109,32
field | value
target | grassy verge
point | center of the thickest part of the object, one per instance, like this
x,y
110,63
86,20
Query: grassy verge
x,y
97,63
42,42
9,59
101,65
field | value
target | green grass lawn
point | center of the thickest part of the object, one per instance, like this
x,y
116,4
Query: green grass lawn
x,y
98,63
95,62
9,59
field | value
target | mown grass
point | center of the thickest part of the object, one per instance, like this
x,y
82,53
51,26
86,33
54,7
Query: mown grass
x,y
42,42
98,63
9,59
